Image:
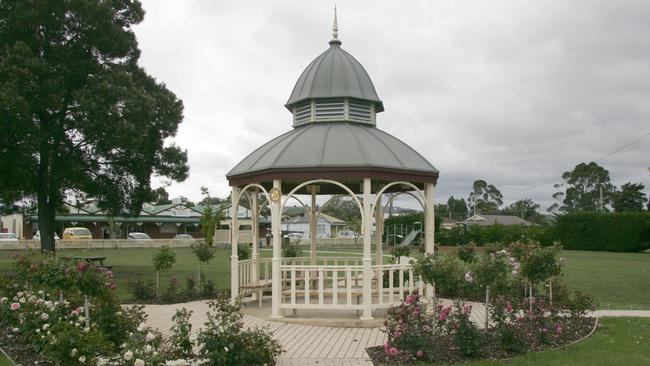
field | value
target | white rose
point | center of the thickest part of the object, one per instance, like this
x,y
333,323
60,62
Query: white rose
x,y
73,352
148,349
82,359
45,326
128,355
45,316
138,362
149,337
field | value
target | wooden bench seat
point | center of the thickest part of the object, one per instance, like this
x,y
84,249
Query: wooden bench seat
x,y
258,286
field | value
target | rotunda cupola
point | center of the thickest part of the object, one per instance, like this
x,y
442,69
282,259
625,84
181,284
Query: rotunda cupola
x,y
334,88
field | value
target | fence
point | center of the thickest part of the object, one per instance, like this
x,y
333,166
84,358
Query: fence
x,y
102,244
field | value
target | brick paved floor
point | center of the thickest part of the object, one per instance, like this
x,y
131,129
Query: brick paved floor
x,y
303,344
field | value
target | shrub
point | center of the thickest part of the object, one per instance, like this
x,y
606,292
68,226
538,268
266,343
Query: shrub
x,y
291,250
410,331
445,272
614,232
226,342
209,289
243,252
180,342
171,294
466,253
540,264
466,335
142,289
400,251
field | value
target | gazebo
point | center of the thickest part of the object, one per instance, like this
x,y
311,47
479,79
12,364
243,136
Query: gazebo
x,y
333,148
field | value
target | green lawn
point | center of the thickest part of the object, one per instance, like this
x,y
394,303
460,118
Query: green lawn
x,y
131,263
616,280
4,361
619,341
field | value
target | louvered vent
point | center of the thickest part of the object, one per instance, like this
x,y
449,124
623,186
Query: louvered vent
x,y
302,112
329,109
359,110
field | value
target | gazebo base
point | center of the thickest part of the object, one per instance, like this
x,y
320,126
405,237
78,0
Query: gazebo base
x,y
327,318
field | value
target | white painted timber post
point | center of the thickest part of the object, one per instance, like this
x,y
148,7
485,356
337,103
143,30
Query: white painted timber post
x,y
313,226
234,242
255,228
429,228
367,260
276,284
379,230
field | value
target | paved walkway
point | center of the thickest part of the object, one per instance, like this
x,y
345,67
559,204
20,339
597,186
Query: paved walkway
x,y
314,345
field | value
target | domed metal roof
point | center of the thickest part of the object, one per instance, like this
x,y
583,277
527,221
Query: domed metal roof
x,y
329,147
335,73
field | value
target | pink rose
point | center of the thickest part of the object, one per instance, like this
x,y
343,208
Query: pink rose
x,y
14,306
419,353
467,309
509,308
82,267
393,351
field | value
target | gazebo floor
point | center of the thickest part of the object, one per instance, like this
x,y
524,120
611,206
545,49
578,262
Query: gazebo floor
x,y
337,317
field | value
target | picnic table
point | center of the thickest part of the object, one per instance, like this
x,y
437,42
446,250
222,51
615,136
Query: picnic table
x,y
94,260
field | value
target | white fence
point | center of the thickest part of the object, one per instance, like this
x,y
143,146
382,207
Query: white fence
x,y
335,282
102,244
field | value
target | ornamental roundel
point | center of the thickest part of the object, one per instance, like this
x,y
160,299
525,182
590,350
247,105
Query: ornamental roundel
x,y
275,194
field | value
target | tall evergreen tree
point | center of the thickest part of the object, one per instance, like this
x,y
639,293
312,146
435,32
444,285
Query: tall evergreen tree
x,y
588,188
629,198
485,197
78,115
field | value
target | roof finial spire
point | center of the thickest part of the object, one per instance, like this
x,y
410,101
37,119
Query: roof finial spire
x,y
335,30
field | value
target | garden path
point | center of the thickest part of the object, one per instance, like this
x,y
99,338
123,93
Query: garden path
x,y
303,344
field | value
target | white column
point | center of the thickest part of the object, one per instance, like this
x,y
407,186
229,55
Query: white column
x,y
379,230
313,226
255,228
429,227
276,285
367,260
234,241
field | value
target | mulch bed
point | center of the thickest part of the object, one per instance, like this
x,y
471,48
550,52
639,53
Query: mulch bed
x,y
447,352
21,354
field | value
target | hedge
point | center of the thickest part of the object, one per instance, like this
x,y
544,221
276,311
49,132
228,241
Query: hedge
x,y
481,235
612,232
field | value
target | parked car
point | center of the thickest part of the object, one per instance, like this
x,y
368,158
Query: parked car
x,y
8,238
37,236
348,234
77,233
183,237
295,236
138,236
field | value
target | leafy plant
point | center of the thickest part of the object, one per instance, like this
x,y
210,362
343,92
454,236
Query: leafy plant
x,y
291,250
243,252
204,253
162,261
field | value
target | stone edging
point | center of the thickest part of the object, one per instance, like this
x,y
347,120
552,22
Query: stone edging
x,y
7,356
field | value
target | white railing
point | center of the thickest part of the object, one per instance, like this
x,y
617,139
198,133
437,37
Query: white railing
x,y
223,237
324,261
102,244
321,287
245,271
392,283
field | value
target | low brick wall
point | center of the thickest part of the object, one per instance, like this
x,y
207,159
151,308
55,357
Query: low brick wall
x,y
101,244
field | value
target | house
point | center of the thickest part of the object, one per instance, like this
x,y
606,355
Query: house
x,y
448,223
158,221
489,220
327,226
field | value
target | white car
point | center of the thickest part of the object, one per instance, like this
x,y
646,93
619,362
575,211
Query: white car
x,y
37,236
7,238
138,236
349,234
183,237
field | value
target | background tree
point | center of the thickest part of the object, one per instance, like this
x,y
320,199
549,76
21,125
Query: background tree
x,y
210,218
457,208
442,210
79,116
163,260
629,198
588,188
485,197
161,197
526,209
342,207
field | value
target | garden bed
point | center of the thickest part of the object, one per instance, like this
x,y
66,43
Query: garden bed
x,y
446,352
22,354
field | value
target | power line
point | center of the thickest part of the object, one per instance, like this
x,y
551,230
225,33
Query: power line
x,y
597,160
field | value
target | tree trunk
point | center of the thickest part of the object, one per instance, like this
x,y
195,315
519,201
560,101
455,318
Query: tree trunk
x,y
46,212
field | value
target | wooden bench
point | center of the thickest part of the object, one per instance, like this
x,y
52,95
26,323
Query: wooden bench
x,y
256,287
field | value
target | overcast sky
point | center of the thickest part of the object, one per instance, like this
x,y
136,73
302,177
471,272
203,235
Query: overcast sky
x,y
513,92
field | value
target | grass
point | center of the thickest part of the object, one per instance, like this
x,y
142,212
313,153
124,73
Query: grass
x,y
131,263
619,341
4,361
616,280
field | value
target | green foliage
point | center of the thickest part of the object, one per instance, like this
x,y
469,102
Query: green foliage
x,y
541,264
400,251
344,208
445,272
291,250
466,253
583,189
180,342
79,113
613,232
410,332
629,198
526,208
164,259
485,197
142,289
493,271
408,222
243,252
467,337
210,218
457,207
226,342
204,252
481,235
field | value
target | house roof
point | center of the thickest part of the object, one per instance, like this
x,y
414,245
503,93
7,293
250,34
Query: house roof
x,y
488,220
303,219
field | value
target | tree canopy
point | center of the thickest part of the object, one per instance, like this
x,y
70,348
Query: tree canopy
x,y
485,197
526,209
79,116
629,198
585,185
